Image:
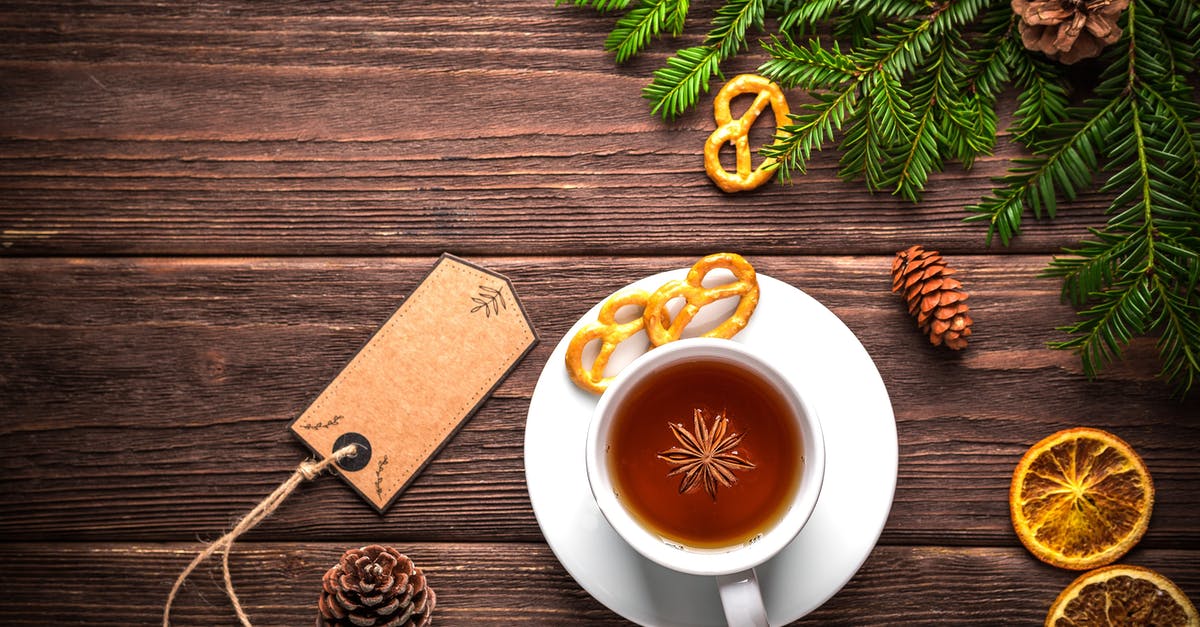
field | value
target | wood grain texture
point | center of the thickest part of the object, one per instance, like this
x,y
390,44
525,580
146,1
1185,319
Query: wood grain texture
x,y
163,140
511,584
207,207
143,378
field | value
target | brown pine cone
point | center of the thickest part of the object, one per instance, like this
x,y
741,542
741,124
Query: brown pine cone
x,y
375,586
936,299
1069,30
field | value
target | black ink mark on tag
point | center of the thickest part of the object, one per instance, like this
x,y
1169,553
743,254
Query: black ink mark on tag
x,y
379,476
490,300
323,425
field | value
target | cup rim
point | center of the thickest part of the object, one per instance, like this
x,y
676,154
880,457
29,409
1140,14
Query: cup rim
x,y
698,561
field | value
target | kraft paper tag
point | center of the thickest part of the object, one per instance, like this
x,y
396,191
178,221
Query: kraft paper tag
x,y
415,382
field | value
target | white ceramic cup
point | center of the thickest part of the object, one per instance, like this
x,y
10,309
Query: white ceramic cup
x,y
733,566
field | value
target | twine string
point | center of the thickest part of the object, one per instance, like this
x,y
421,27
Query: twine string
x,y
306,471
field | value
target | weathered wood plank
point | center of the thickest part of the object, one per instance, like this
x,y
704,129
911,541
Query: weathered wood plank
x,y
160,140
522,584
148,398
429,195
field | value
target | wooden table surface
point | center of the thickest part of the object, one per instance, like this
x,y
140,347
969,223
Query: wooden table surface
x,y
207,207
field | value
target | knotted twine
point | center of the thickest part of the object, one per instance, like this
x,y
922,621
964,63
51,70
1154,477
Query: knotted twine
x,y
307,470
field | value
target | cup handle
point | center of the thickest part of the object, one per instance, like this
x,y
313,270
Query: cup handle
x,y
742,599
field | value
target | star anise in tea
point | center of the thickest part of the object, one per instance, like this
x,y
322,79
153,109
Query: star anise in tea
x,y
705,455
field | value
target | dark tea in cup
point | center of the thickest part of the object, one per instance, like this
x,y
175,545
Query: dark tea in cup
x,y
708,460
705,453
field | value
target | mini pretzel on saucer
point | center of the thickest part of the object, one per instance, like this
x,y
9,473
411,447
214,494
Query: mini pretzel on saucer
x,y
610,333
662,329
656,318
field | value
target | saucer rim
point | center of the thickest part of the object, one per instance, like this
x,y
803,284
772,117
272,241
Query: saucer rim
x,y
554,375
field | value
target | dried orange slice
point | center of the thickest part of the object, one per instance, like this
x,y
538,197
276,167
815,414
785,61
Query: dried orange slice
x,y
1080,498
1122,595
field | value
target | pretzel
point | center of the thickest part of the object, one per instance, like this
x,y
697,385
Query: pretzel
x,y
611,333
662,329
737,132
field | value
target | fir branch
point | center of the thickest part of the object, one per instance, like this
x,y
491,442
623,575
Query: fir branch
x,y
602,6
676,87
855,28
1180,29
954,16
810,129
853,86
677,16
1178,342
804,17
1090,267
1179,111
897,47
988,71
862,156
975,118
1140,273
909,169
1043,97
635,29
730,24
1067,158
941,120
881,119
890,106
811,67
892,53
1108,325
971,122
888,9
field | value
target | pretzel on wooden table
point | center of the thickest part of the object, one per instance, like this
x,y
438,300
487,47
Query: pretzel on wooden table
x,y
737,132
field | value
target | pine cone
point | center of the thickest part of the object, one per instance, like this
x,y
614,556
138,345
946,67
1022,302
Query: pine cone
x,y
375,586
932,296
1069,30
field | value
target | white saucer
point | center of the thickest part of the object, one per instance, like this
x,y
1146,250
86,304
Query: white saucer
x,y
810,345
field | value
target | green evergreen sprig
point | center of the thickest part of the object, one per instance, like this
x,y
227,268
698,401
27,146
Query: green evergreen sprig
x,y
906,86
676,87
1140,273
914,96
